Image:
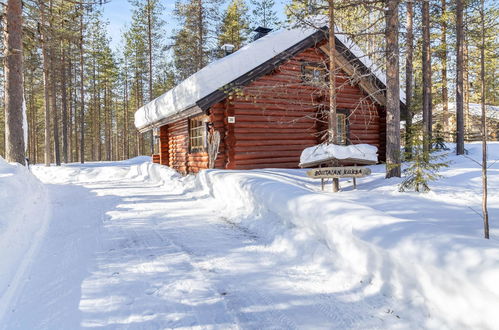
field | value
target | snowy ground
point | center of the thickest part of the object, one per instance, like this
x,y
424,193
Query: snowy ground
x,y
133,245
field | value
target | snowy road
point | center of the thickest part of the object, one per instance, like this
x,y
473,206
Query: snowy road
x,y
124,254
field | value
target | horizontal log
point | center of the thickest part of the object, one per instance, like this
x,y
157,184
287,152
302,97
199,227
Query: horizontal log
x,y
273,142
277,148
268,161
242,130
271,165
275,136
266,154
253,124
198,164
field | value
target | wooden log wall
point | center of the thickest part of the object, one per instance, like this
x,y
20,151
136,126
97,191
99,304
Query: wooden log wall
x,y
276,117
164,147
174,146
178,143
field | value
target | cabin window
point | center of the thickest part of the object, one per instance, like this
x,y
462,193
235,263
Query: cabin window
x,y
197,134
342,128
313,74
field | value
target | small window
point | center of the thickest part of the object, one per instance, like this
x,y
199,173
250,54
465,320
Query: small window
x,y
342,128
314,74
197,134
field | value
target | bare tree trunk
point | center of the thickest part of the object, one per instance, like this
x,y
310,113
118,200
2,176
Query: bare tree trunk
x,y
409,76
13,66
149,40
426,61
333,116
126,144
443,40
46,82
392,91
485,212
64,101
200,32
92,113
53,106
459,77
82,92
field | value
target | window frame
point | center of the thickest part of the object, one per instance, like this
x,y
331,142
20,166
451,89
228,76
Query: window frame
x,y
201,133
345,136
308,78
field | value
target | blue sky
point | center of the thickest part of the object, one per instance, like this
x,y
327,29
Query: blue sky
x,y
119,14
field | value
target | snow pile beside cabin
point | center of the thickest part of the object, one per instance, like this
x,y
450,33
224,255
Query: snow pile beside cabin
x,y
23,221
322,152
438,268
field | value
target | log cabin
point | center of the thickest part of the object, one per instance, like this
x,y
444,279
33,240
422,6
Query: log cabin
x,y
260,106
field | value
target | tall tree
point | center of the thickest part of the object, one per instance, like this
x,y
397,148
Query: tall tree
x,y
235,25
82,85
393,166
46,79
443,56
192,48
459,77
264,14
427,81
409,76
13,66
485,212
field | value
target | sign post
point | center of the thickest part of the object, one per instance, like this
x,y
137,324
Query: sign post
x,y
339,172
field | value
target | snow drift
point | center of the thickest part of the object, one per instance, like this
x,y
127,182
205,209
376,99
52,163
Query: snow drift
x,y
23,220
447,276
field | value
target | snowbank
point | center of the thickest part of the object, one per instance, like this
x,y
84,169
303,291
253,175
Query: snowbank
x,y
24,215
136,169
449,278
322,152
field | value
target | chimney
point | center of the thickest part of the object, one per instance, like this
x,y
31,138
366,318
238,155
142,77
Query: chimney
x,y
227,48
261,32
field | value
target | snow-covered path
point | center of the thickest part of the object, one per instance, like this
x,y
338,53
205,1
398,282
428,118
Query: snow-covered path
x,y
121,253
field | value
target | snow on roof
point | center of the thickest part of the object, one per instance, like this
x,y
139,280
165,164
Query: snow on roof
x,y
219,73
324,152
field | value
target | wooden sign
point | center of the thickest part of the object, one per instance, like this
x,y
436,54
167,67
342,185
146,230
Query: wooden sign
x,y
339,172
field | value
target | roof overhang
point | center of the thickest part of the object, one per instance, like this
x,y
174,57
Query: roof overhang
x,y
192,111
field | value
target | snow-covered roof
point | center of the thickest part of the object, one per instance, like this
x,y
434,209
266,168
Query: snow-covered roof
x,y
222,72
324,152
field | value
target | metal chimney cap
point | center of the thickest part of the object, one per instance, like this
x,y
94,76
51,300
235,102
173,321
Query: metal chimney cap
x,y
228,48
262,29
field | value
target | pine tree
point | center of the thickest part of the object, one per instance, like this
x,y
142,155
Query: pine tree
x,y
191,43
264,14
423,167
235,25
13,52
392,90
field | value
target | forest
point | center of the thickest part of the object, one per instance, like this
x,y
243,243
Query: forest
x,y
80,93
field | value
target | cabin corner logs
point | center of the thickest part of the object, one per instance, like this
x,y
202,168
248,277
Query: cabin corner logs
x,y
276,117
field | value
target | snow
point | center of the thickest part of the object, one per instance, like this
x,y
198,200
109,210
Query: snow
x,y
323,152
475,109
135,245
23,220
220,73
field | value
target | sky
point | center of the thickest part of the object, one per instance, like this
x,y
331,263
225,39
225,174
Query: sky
x,y
119,14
